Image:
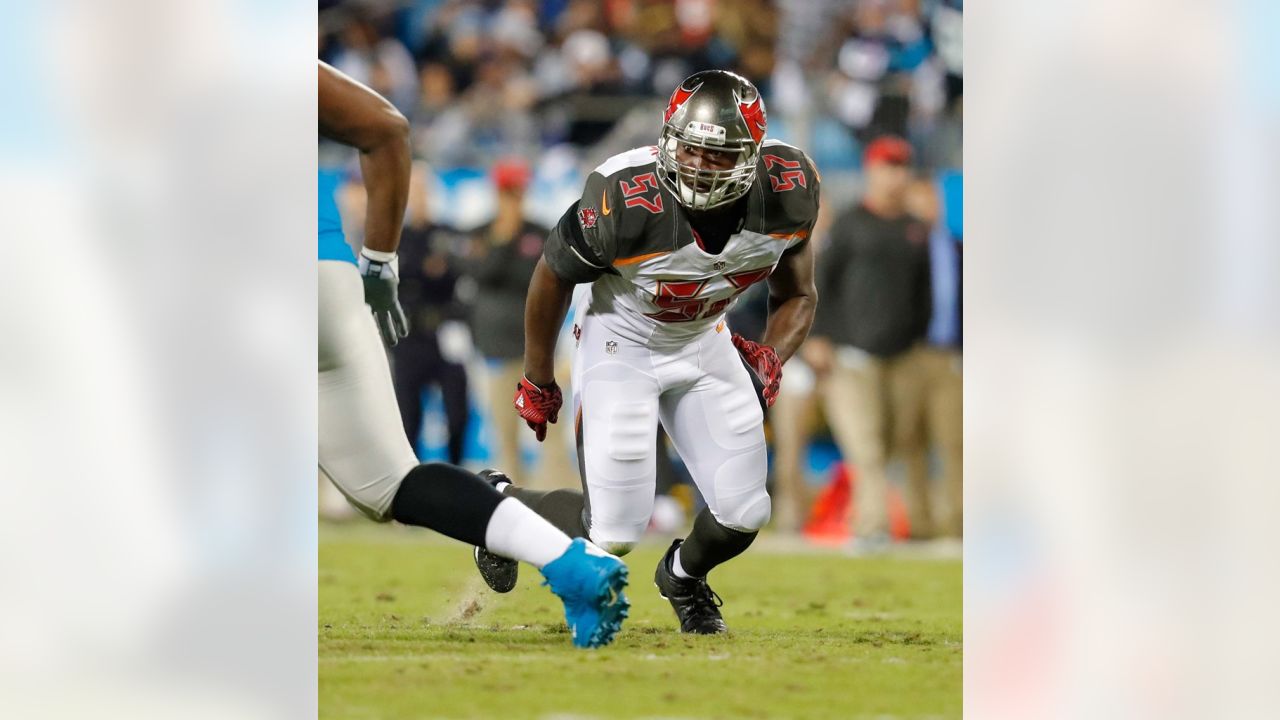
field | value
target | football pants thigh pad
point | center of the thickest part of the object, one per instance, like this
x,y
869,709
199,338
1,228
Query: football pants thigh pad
x,y
362,446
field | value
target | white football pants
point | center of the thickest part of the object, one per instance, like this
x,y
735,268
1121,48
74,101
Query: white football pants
x,y
702,394
363,449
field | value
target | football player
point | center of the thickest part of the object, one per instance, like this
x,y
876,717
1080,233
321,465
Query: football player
x,y
362,445
668,236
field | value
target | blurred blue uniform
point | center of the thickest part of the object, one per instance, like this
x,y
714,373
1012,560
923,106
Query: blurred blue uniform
x,y
946,263
333,244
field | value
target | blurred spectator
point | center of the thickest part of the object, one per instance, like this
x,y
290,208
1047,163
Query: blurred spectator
x,y
876,301
883,65
434,352
380,62
503,255
940,414
749,28
791,420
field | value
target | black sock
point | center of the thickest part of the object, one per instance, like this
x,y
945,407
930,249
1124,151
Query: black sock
x,y
710,544
447,499
562,508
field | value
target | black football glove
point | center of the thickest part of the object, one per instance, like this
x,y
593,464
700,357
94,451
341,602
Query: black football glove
x,y
381,283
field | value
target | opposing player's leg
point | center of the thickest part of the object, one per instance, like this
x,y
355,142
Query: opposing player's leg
x,y
457,503
362,443
563,508
363,450
717,426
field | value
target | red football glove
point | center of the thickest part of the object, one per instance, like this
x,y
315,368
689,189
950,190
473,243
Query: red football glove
x,y
764,360
538,405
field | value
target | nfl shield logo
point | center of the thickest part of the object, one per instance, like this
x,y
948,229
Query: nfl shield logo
x,y
611,347
587,217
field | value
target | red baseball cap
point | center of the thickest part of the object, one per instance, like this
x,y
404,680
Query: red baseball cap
x,y
887,149
510,174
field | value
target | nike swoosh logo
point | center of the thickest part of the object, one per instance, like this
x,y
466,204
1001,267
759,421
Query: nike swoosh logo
x,y
604,203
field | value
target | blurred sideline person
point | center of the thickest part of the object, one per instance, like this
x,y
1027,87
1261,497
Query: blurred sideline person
x,y
876,303
793,417
504,253
668,237
940,411
427,291
362,446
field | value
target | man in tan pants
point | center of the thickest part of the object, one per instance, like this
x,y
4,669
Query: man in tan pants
x,y
903,407
792,417
555,468
930,414
504,253
935,413
874,308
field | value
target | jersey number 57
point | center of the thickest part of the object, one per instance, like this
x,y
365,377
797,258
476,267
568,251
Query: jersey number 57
x,y
679,301
635,192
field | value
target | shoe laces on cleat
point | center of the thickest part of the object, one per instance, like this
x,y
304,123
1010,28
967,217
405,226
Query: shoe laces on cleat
x,y
703,600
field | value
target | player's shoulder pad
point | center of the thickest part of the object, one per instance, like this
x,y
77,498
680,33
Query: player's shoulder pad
x,y
624,196
791,184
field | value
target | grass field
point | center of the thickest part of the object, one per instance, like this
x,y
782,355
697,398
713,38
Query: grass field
x,y
407,630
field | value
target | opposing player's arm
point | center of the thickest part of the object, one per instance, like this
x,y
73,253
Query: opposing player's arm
x,y
354,115
793,299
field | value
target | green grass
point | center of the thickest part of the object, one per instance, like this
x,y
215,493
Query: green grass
x,y
407,630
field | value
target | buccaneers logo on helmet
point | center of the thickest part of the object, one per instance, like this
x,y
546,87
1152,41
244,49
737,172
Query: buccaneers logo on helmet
x,y
753,114
677,99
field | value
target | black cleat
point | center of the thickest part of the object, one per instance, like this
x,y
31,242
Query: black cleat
x,y
498,572
696,604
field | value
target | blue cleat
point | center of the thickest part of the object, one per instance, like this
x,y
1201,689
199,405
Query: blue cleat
x,y
589,581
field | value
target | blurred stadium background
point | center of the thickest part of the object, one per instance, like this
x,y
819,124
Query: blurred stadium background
x,y
505,95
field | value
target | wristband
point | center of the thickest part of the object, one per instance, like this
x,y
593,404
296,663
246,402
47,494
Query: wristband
x,y
377,255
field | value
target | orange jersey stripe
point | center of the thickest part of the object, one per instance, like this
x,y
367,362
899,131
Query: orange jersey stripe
x,y
798,235
639,258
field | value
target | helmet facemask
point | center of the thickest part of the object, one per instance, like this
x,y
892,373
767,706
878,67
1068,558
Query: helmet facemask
x,y
702,189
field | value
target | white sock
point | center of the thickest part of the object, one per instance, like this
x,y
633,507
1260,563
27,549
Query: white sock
x,y
676,568
502,485
519,533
